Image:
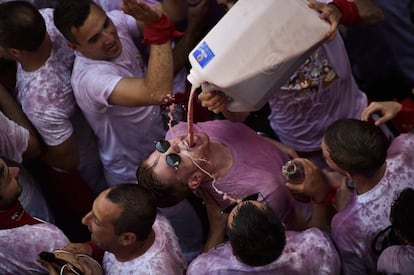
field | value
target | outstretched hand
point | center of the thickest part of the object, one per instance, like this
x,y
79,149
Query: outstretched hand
x,y
140,11
387,109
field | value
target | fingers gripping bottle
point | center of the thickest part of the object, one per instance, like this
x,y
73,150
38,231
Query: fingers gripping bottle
x,y
293,172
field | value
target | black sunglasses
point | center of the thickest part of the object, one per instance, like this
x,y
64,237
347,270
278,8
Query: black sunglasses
x,y
172,159
228,209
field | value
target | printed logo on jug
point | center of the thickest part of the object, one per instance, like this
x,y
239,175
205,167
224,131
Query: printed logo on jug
x,y
203,54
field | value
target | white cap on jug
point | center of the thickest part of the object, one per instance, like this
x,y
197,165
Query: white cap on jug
x,y
194,79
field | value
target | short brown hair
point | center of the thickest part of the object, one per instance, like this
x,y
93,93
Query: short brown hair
x,y
356,146
71,13
21,26
166,193
138,209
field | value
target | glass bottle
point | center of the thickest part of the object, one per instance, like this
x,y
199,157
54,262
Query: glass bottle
x,y
293,172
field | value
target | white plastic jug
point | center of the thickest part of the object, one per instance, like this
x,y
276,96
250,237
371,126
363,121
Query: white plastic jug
x,y
254,49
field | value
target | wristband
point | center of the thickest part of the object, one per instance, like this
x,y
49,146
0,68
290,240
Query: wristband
x,y
350,13
329,199
97,253
404,120
160,32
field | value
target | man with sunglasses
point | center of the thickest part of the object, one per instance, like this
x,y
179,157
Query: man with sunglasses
x,y
117,90
227,159
258,243
360,152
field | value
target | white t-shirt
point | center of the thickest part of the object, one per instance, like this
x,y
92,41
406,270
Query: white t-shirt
x,y
164,257
354,228
14,139
47,99
109,5
21,246
397,259
126,134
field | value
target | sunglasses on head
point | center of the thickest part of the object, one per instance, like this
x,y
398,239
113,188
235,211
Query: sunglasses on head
x,y
172,159
228,209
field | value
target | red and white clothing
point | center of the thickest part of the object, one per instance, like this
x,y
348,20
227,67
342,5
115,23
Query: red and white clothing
x,y
22,238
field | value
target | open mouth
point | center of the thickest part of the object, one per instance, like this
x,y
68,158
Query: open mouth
x,y
196,142
112,47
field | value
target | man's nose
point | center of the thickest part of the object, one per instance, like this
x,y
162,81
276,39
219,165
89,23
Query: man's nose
x,y
174,148
108,36
85,219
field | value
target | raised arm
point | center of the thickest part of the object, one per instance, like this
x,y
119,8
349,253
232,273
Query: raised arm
x,y
347,13
196,21
157,83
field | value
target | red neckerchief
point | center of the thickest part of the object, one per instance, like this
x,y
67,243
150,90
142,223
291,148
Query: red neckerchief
x,y
16,217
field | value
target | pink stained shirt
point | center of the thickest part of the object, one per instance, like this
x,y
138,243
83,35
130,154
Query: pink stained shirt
x,y
309,252
354,228
321,91
21,246
164,257
256,165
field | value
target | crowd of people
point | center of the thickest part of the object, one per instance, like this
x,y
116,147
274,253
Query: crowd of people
x,y
98,173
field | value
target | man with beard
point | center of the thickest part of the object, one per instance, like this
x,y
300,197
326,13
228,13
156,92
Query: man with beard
x,y
22,237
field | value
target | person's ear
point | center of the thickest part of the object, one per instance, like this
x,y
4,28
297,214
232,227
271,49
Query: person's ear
x,y
195,180
16,53
127,238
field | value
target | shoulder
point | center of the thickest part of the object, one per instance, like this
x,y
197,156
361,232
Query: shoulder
x,y
311,250
397,259
216,260
403,144
30,239
310,240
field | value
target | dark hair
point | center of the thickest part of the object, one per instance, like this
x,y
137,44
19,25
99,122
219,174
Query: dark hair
x,y
256,235
139,209
166,194
402,214
21,26
356,146
401,229
71,13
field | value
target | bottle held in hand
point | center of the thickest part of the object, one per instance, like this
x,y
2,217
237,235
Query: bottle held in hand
x,y
293,172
